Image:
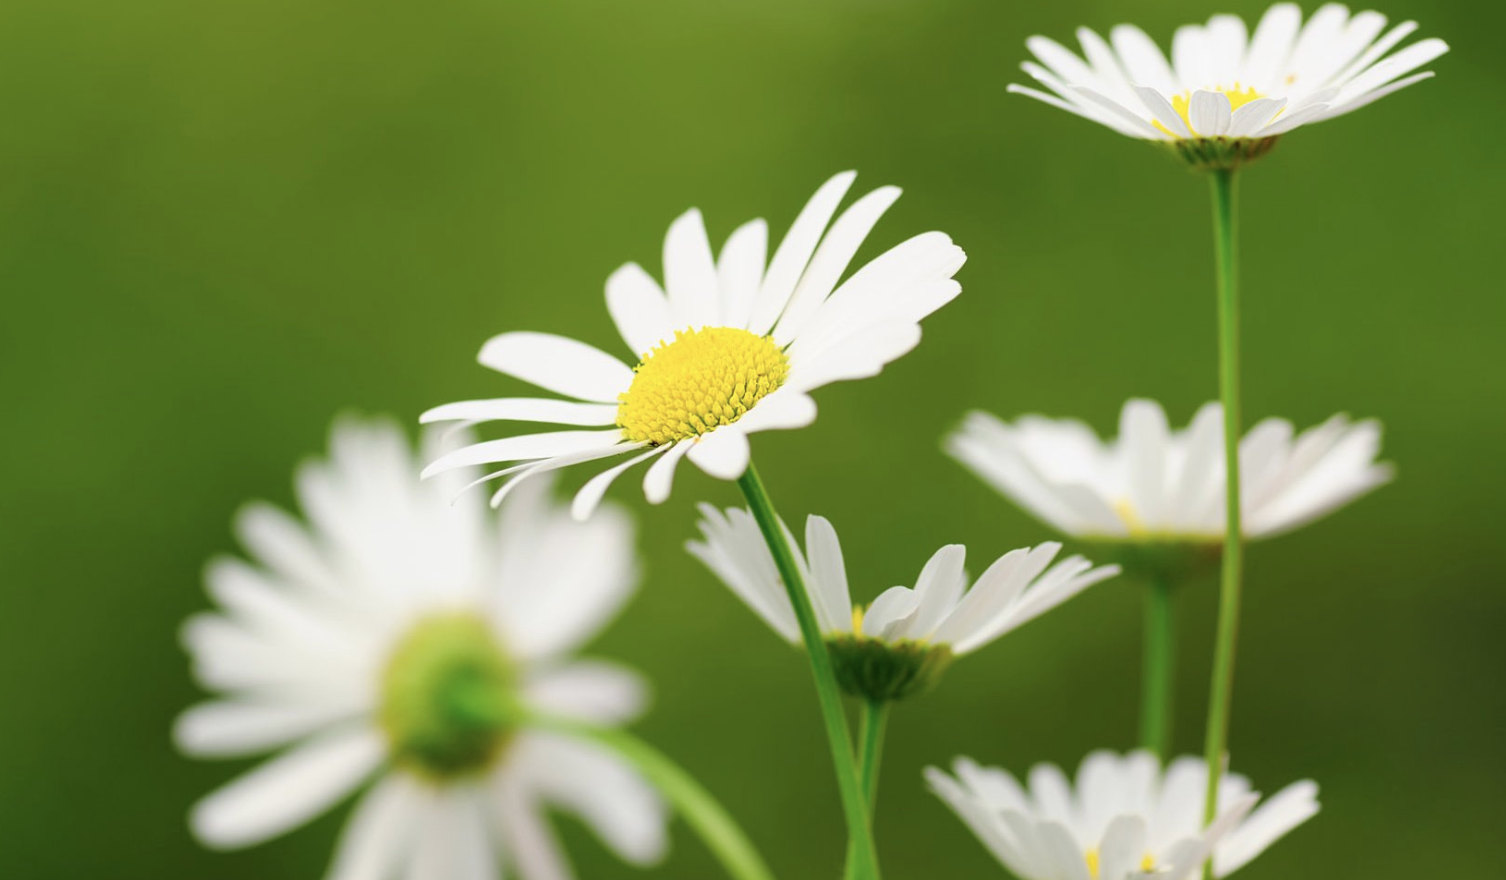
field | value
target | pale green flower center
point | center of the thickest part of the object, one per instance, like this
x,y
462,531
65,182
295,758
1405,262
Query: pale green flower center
x,y
449,697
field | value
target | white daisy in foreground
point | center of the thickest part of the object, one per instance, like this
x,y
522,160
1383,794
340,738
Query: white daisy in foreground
x,y
1125,818
728,346
901,644
1153,484
397,639
1226,95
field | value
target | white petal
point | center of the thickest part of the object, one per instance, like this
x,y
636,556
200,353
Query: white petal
x,y
1271,47
230,729
1189,56
1225,47
1123,846
734,550
831,260
1280,813
785,409
529,842
690,273
886,617
938,588
1209,113
288,790
557,363
794,253
739,272
639,309
379,836
1374,95
591,690
723,453
523,409
1249,118
528,447
1064,851
661,476
624,810
1142,59
590,495
1161,108
1144,438
1134,120
828,576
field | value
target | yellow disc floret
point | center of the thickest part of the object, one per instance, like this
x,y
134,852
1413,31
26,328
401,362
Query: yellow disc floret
x,y
1147,863
1238,97
698,381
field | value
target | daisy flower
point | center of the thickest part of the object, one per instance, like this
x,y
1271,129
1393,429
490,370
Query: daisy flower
x,y
1226,95
1153,484
901,643
728,346
1126,818
397,640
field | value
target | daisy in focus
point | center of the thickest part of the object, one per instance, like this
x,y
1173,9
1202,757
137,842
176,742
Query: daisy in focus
x,y
730,345
1227,94
899,645
1155,485
401,640
1125,817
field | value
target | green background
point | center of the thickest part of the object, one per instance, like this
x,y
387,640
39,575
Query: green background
x,y
221,223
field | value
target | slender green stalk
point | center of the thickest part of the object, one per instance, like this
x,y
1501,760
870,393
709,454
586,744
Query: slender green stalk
x,y
870,752
1222,687
717,829
871,749
1158,669
859,832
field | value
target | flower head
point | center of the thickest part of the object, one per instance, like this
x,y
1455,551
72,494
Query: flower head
x,y
400,639
1126,818
729,346
900,644
1226,94
1155,485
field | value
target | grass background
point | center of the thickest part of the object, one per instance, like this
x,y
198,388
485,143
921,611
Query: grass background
x,y
221,223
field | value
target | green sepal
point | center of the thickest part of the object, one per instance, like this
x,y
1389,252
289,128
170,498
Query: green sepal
x,y
1209,154
874,669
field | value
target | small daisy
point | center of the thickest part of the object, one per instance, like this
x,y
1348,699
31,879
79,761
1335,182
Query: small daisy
x,y
1126,818
907,637
395,640
1152,484
728,346
1226,95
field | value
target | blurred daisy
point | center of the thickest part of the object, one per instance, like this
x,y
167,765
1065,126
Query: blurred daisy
x,y
901,643
727,347
396,639
1152,484
1226,92
1125,819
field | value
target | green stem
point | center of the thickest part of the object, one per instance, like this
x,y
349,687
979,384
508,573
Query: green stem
x,y
870,751
1222,687
1158,669
871,738
717,829
859,832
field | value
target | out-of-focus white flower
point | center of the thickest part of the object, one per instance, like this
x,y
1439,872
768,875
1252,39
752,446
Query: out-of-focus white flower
x,y
398,639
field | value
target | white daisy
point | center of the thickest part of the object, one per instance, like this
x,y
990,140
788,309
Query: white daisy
x,y
1152,484
727,347
902,642
396,639
1125,818
1224,89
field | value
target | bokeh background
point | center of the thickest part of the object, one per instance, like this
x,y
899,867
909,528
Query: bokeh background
x,y
221,223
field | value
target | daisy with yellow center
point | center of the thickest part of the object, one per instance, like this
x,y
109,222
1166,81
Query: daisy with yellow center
x,y
1226,93
730,345
1124,817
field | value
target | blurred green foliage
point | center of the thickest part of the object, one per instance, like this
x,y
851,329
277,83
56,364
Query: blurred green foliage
x,y
220,223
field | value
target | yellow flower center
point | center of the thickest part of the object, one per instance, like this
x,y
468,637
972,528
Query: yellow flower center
x,y
1238,97
1147,863
697,382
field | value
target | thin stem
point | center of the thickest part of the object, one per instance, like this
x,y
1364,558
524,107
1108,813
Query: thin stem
x,y
859,832
716,827
1222,687
1158,669
874,719
871,739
